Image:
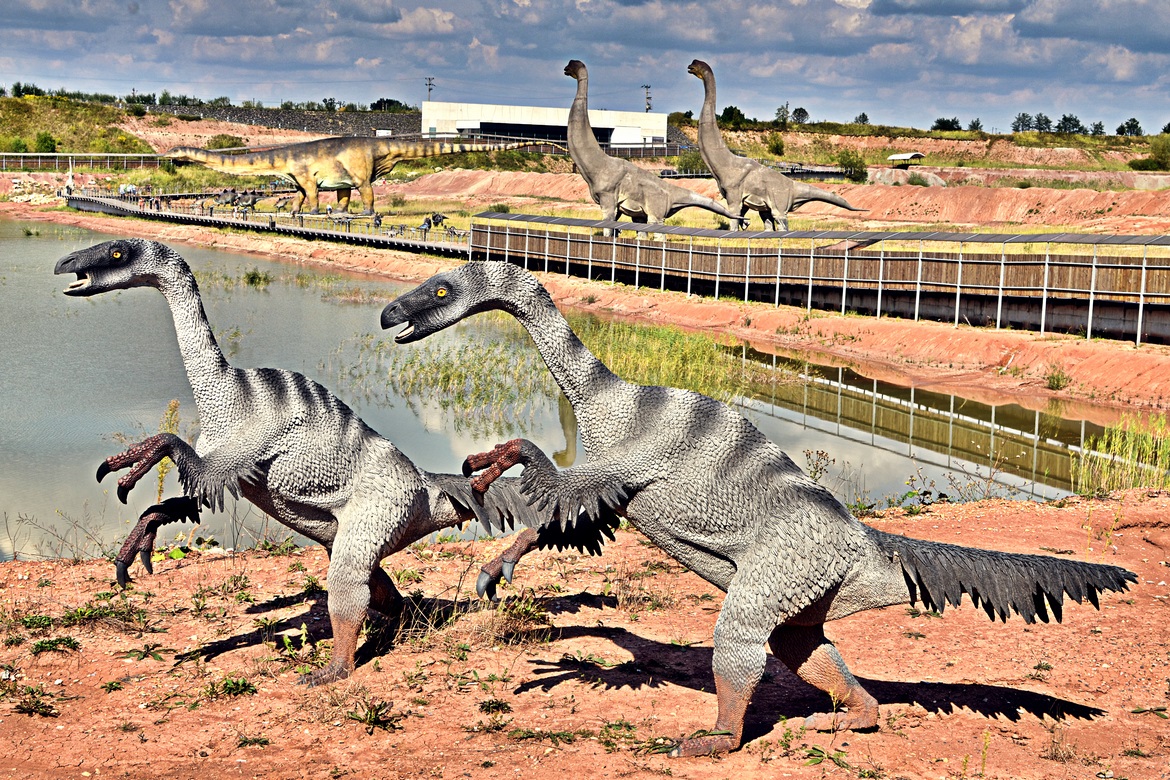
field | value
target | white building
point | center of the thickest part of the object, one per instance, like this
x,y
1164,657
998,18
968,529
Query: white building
x,y
615,128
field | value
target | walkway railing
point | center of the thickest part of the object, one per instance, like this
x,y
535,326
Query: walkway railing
x,y
1099,285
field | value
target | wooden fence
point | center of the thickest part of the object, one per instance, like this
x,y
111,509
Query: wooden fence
x,y
1114,286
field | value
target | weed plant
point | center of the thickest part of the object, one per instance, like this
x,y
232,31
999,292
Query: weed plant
x,y
1131,454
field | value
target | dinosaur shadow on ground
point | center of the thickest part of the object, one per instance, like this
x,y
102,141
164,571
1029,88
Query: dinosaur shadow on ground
x,y
781,694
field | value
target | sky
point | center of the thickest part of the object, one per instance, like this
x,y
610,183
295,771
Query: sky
x,y
901,62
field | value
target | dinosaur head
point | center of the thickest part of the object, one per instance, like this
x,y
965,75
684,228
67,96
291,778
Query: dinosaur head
x,y
114,265
576,70
698,69
455,295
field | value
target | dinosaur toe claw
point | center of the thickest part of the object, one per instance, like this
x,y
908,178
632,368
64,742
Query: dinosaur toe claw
x,y
103,469
485,586
123,493
506,568
144,556
122,574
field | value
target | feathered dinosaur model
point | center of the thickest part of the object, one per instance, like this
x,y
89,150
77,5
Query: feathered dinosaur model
x,y
290,447
707,487
744,183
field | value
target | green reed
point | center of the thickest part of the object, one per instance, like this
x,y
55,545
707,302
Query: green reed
x,y
1133,453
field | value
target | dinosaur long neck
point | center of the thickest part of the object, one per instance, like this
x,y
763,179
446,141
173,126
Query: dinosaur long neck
x,y
711,146
582,377
583,146
208,371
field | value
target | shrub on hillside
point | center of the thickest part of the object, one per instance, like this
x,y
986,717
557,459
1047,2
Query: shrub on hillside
x,y
775,144
853,166
224,141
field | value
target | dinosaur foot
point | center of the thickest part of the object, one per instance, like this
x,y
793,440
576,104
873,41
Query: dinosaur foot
x,y
327,674
142,457
141,539
489,577
705,744
861,720
494,463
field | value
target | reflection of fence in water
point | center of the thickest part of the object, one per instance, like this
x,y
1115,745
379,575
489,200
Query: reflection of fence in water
x,y
1029,445
1115,285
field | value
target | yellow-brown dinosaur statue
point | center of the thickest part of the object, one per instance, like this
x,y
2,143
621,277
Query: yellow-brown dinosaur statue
x,y
339,164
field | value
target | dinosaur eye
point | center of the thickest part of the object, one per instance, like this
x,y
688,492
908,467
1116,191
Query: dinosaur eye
x,y
441,292
117,253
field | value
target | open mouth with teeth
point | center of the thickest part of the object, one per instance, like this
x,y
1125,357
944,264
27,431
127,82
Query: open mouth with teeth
x,y
79,285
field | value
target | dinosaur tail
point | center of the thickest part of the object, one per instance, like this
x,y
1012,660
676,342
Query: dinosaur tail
x,y
804,193
1001,583
244,163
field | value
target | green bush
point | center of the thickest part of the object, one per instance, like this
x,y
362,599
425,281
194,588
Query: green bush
x,y
224,141
44,143
775,144
691,161
853,166
136,109
918,180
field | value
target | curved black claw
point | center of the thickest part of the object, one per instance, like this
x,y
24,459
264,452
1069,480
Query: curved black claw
x,y
122,572
123,493
103,469
144,557
506,568
485,586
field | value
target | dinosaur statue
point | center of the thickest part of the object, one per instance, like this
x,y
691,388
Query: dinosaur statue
x,y
141,539
291,448
747,183
710,489
339,164
619,186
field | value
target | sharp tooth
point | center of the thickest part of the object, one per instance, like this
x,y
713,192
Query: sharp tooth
x,y
405,331
79,283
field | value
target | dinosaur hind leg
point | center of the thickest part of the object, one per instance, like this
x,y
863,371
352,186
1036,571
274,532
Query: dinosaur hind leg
x,y
807,652
502,566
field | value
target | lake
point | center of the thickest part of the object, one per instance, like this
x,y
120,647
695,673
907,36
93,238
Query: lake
x,y
81,377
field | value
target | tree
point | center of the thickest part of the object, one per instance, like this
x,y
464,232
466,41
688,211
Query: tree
x,y
220,102
775,144
1022,123
1098,128
732,117
783,115
799,115
1069,123
44,143
391,105
853,166
329,103
1130,127
680,118
861,119
3,92
942,123
1042,123
224,141
1165,129
975,126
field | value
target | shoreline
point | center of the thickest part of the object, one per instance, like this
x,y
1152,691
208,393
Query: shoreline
x,y
1108,379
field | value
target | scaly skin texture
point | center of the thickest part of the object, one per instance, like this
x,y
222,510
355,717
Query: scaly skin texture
x,y
619,186
707,487
290,447
340,164
746,184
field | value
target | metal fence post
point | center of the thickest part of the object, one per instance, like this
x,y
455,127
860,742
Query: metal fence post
x,y
747,271
959,284
637,256
612,257
845,278
1141,298
918,283
811,247
718,266
1092,293
589,265
779,260
881,275
1002,271
1044,291
690,263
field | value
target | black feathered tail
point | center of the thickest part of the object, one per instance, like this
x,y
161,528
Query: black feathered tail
x,y
939,574
502,509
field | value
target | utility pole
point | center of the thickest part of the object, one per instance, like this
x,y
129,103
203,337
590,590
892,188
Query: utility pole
x,y
430,81
647,88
